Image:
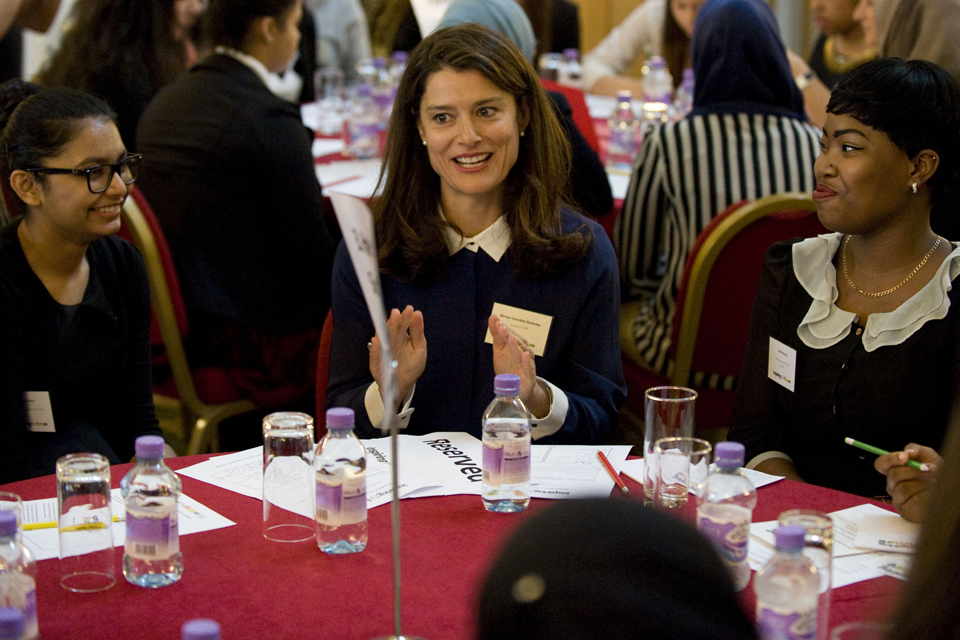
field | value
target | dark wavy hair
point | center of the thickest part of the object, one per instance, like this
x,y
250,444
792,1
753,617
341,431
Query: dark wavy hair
x,y
228,21
917,105
407,214
676,47
125,43
36,122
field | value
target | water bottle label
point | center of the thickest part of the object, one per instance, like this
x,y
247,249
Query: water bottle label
x,y
342,501
729,535
792,625
506,461
152,532
364,138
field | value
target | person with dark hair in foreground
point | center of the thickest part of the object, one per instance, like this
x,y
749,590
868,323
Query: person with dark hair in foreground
x,y
74,299
471,215
865,314
610,569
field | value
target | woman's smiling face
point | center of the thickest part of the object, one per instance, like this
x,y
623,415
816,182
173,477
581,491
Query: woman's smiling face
x,y
471,129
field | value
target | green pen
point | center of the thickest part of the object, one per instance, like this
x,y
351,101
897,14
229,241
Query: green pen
x,y
913,464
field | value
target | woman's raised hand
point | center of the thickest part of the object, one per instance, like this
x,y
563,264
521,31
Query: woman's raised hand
x,y
512,354
405,330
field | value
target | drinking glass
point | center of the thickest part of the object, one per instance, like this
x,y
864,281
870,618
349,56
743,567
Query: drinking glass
x,y
683,465
85,523
288,477
12,502
818,546
668,413
331,106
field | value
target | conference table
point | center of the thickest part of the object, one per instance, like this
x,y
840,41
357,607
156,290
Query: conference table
x,y
259,589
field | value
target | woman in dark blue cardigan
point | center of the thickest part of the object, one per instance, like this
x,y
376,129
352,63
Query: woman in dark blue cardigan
x,y
470,219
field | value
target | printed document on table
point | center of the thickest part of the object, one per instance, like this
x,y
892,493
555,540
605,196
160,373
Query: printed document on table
x,y
633,469
44,543
573,471
850,564
451,461
242,472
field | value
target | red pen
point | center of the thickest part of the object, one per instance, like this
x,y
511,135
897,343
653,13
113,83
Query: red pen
x,y
613,474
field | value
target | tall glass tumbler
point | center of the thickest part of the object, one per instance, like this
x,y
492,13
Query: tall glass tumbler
x,y
85,523
683,465
818,546
668,413
12,502
288,477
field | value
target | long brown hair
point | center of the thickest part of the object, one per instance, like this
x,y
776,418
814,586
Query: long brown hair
x,y
407,214
676,47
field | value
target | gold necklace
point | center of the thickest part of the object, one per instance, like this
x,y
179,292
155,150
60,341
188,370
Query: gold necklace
x,y
836,62
843,259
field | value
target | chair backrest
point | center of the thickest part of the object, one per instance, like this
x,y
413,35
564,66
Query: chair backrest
x,y
581,113
721,277
169,311
323,374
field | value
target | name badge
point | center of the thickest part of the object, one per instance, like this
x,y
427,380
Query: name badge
x,y
39,411
782,364
531,326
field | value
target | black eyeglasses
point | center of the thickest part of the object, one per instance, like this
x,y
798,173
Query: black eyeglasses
x,y
100,176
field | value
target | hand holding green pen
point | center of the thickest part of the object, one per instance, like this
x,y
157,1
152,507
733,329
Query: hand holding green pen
x,y
913,464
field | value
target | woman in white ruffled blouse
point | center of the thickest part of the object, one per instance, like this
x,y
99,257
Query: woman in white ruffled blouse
x,y
854,334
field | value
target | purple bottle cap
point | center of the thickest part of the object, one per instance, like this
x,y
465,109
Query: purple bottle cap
x,y
8,523
380,62
506,384
399,56
363,89
339,418
571,54
728,454
149,447
624,96
200,629
790,538
11,623
688,74
658,62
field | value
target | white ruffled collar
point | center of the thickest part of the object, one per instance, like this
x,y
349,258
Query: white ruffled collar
x,y
826,324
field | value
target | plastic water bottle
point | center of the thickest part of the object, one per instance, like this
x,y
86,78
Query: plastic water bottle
x,y
570,68
11,624
382,91
363,125
624,127
683,99
506,448
150,490
200,629
787,589
657,83
340,467
398,63
726,509
18,575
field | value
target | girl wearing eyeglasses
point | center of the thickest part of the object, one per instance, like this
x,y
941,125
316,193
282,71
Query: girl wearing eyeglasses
x,y
74,300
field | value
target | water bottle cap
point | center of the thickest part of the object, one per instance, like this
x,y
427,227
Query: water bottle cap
x,y
399,56
8,523
571,54
624,96
363,89
506,384
200,629
688,74
729,454
657,62
11,623
148,447
340,418
790,538
380,62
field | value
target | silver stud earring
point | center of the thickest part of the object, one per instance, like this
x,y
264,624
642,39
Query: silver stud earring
x,y
914,187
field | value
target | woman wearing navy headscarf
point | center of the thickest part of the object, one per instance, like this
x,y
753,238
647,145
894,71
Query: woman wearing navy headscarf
x,y
746,138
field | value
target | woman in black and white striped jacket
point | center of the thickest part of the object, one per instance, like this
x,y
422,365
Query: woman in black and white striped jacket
x,y
746,138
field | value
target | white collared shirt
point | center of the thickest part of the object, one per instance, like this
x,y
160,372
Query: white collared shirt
x,y
286,86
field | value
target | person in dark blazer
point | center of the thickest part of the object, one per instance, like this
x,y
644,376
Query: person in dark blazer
x,y
231,179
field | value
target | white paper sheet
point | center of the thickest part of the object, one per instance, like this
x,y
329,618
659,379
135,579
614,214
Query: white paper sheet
x,y
45,543
573,471
887,532
633,469
351,177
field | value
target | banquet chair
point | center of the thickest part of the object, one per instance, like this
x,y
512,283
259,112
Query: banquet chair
x,y
206,396
323,376
714,303
581,113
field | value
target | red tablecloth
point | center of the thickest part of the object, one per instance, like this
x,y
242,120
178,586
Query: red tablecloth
x,y
258,589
